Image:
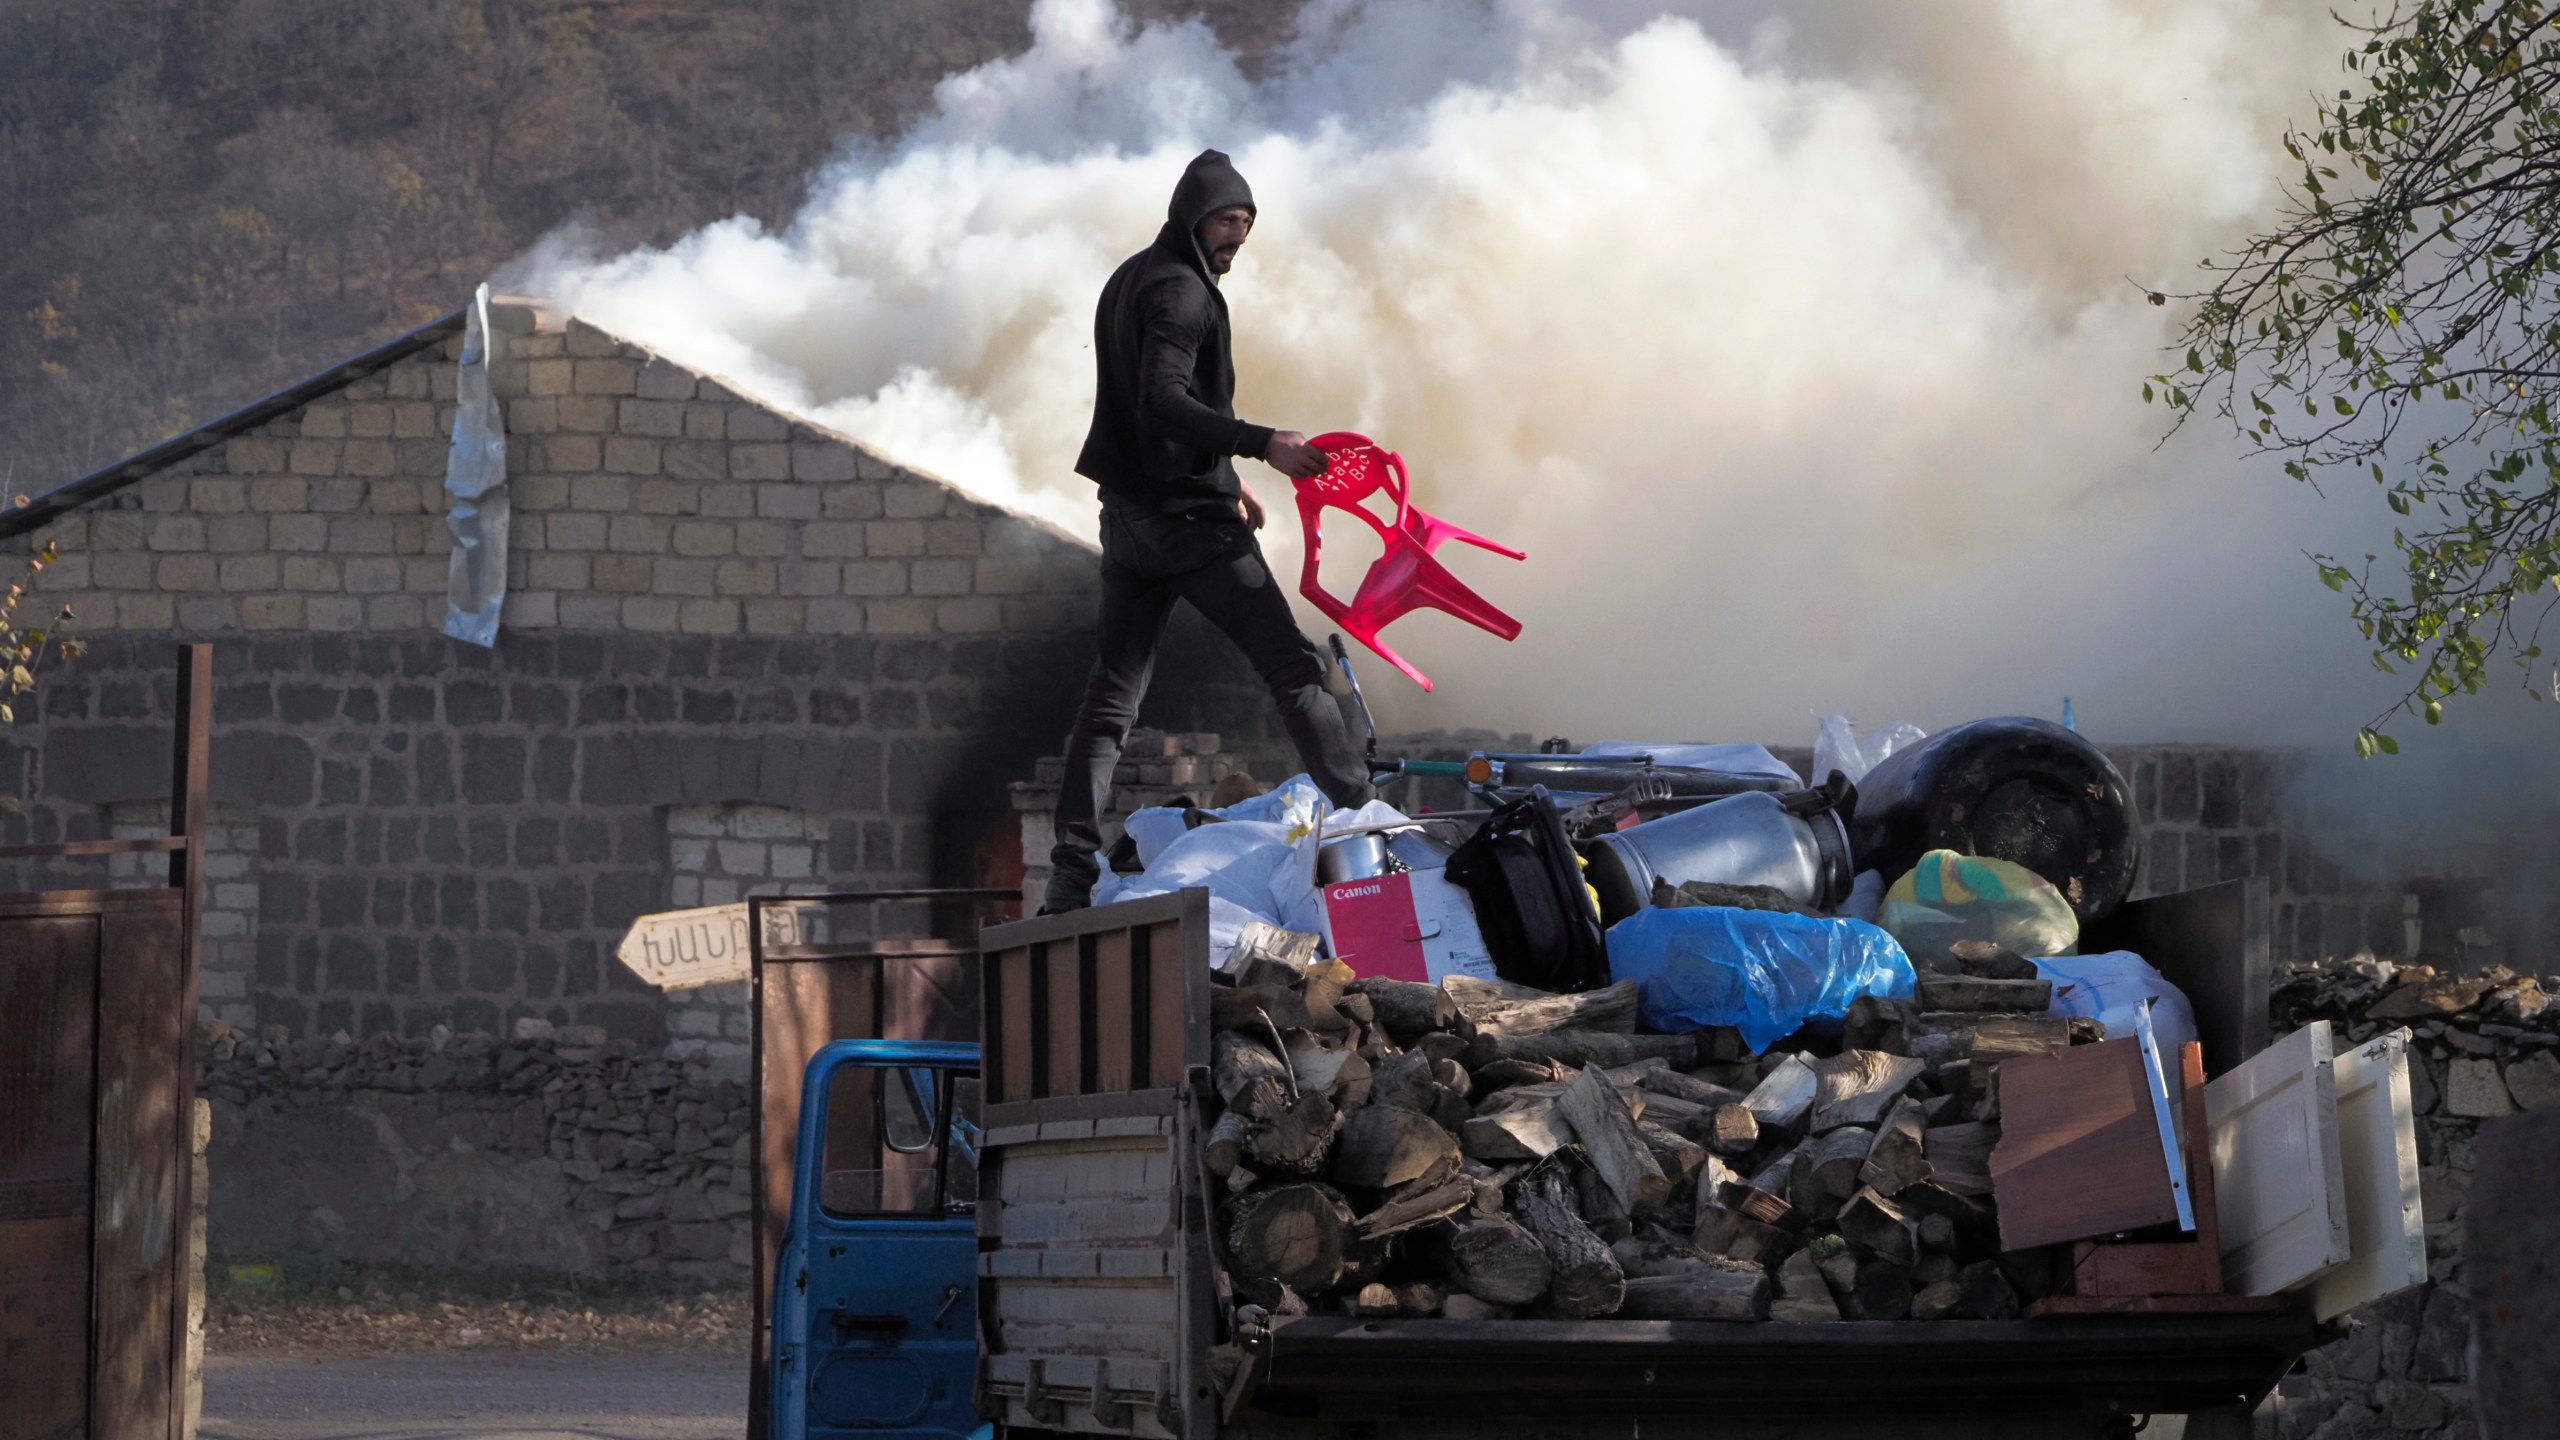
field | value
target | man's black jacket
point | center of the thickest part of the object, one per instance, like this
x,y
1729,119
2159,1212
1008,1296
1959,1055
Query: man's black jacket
x,y
1164,421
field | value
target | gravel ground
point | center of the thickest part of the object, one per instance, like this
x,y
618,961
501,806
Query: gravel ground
x,y
555,1396
392,1355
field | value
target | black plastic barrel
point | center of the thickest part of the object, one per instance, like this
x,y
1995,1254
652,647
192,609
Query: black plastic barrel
x,y
2016,789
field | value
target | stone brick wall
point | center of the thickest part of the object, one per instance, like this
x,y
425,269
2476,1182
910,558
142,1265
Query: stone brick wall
x,y
2484,1047
711,605
553,1151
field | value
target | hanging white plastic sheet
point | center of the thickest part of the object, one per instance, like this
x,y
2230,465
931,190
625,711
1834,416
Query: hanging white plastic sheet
x,y
475,475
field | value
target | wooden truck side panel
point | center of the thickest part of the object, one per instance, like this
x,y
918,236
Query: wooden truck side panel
x,y
1096,1287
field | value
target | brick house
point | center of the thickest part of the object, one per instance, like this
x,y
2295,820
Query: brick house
x,y
737,651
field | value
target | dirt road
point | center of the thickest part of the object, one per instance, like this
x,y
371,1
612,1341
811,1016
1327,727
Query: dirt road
x,y
475,1397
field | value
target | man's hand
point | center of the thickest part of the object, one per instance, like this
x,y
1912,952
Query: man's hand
x,y
1251,504
1291,455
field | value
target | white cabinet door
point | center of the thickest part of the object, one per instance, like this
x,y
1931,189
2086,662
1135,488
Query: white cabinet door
x,y
2378,1146
2279,1187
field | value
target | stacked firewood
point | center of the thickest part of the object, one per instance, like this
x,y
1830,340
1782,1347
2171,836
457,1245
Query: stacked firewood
x,y
1481,1150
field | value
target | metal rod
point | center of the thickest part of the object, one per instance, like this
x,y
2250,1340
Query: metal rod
x,y
147,845
2166,1112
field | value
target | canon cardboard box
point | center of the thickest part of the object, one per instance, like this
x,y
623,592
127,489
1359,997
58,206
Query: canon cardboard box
x,y
1413,926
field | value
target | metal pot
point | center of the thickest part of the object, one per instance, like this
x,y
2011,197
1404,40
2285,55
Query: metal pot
x,y
1752,839
1353,857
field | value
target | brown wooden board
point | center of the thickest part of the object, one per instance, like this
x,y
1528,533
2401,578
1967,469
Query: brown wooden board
x,y
2079,1152
48,969
140,1170
2189,1267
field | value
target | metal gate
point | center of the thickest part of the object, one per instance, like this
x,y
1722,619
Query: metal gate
x,y
97,1080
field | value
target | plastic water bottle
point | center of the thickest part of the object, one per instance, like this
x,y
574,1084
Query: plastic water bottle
x,y
2067,722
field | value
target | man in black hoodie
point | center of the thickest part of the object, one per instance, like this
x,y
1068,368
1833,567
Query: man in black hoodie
x,y
1177,522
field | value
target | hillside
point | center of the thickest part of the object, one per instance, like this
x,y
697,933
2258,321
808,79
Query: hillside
x,y
201,200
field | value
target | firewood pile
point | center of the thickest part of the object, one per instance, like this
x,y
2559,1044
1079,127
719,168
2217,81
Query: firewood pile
x,y
1481,1150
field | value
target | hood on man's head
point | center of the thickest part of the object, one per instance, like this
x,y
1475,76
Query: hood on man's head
x,y
1209,183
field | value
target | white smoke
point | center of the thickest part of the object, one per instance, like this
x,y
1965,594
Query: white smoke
x,y
1793,343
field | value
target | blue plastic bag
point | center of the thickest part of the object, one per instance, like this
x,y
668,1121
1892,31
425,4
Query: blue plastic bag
x,y
1763,972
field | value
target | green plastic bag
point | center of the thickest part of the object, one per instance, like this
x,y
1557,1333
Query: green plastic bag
x,y
1950,897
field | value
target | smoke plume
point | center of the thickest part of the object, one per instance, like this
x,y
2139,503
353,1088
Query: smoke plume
x,y
1796,344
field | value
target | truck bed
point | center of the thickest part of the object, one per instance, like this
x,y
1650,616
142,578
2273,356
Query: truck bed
x,y
1099,1293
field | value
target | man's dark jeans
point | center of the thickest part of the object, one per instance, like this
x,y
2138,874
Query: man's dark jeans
x,y
1149,561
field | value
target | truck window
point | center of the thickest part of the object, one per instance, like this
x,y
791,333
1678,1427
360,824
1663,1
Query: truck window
x,y
889,1147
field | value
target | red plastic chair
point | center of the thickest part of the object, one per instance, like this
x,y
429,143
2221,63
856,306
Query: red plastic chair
x,y
1406,577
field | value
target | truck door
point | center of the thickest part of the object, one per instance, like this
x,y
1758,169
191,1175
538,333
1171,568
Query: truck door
x,y
875,1301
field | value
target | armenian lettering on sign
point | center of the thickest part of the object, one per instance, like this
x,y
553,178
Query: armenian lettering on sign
x,y
685,949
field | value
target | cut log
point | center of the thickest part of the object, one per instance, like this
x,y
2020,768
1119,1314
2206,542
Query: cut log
x,y
1418,1204
1857,1087
1373,1300
1761,1205
1937,1233
1442,1045
1252,967
1498,1262
1598,1113
1581,1048
1601,1209
1784,1097
1326,981
1338,1074
1778,1175
1225,1144
1730,1231
1503,1074
1983,1293
1240,1179
1717,1289
1642,1255
1992,1037
1976,1229
1450,1110
1495,1008
1407,1008
1585,1280
1404,1082
1933,1268
1966,993
1468,1307
1680,1085
1876,1023
1292,1235
1679,1156
1879,1227
1960,1155
1882,1291
1895,1159
1936,1300
1730,1130
1518,1132
1628,1076
1801,1294
1827,1171
1839,1263
1986,961
1248,1076
1244,1008
1295,1141
1382,1146
1418,1298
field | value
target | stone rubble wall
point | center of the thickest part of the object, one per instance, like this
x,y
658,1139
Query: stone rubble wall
x,y
552,1151
2484,1046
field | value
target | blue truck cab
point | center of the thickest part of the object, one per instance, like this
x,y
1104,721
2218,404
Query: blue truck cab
x,y
875,1318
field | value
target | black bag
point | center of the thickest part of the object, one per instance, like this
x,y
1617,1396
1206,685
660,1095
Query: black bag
x,y
1530,901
